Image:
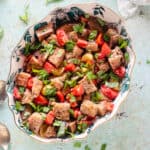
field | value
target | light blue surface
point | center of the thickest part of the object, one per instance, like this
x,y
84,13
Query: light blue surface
x,y
129,132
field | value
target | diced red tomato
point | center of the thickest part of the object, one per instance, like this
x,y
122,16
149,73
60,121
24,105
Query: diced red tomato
x,y
78,90
60,96
50,118
41,100
99,39
73,104
83,19
110,107
48,67
121,71
16,93
77,113
105,51
30,83
70,67
82,43
61,37
109,92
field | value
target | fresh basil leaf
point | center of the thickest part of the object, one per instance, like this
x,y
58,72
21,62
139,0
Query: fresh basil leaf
x,y
148,61
87,147
42,74
33,106
92,35
69,133
19,106
91,76
1,32
77,144
50,92
71,112
103,147
81,127
25,17
72,98
75,61
61,130
69,45
39,108
112,84
21,89
78,28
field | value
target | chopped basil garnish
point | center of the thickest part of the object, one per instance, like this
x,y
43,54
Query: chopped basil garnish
x,y
92,35
127,57
102,75
70,83
50,92
69,45
46,109
103,147
75,61
25,17
77,144
21,89
96,96
30,48
33,106
122,43
61,130
106,38
42,74
19,106
90,75
87,147
57,123
112,84
78,28
81,127
113,76
72,98
48,48
101,22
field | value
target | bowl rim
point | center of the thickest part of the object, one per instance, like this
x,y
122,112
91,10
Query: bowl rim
x,y
85,134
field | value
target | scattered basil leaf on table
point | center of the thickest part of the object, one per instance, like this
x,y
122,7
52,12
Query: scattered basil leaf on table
x,y
103,147
51,1
25,17
87,147
77,144
148,61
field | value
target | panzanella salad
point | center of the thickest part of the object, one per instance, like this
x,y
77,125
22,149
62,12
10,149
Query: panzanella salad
x,y
70,77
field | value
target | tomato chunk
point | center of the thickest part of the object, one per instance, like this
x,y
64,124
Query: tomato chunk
x,y
16,93
109,92
60,96
77,113
70,67
105,51
48,67
61,37
41,100
30,83
99,39
50,118
82,43
121,71
78,90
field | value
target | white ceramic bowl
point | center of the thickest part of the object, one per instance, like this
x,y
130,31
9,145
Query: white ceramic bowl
x,y
58,16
